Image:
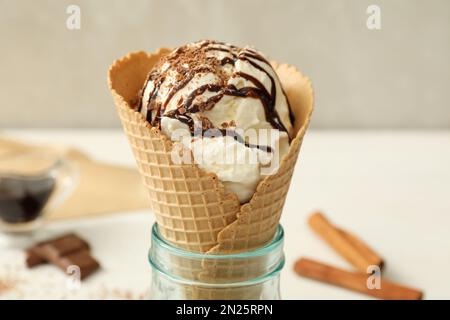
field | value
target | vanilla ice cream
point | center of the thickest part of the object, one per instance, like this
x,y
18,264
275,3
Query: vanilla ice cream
x,y
226,105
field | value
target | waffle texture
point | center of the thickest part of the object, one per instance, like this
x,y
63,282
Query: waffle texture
x,y
193,209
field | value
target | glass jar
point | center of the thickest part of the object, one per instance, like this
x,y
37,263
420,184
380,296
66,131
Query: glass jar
x,y
181,274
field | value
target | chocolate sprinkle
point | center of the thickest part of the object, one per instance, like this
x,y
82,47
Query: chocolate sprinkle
x,y
189,61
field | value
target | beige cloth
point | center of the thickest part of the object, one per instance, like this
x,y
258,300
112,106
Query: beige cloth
x,y
101,188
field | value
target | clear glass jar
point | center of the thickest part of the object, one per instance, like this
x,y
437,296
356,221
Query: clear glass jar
x,y
180,274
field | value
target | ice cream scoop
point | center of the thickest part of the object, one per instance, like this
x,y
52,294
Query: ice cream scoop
x,y
226,105
195,211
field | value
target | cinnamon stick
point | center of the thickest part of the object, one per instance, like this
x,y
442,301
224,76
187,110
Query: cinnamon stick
x,y
354,250
356,281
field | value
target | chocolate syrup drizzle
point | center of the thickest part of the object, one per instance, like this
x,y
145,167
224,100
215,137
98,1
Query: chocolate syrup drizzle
x,y
187,106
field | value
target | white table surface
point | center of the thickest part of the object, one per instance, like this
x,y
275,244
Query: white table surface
x,y
390,188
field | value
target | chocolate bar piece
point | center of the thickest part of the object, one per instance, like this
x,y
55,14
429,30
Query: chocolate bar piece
x,y
81,259
59,247
32,260
65,251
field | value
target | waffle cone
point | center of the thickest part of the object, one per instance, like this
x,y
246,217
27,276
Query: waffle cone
x,y
193,209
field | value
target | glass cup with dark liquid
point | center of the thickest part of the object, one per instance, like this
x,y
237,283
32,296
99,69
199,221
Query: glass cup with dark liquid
x,y
30,185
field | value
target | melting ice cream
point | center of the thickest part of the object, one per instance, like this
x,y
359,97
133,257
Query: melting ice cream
x,y
226,105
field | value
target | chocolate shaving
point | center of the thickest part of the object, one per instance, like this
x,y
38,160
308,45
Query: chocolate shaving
x,y
6,285
196,58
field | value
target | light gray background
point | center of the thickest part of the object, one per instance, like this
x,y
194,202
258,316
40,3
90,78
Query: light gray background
x,y
397,77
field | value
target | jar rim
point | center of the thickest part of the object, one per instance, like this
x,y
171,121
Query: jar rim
x,y
272,247
265,249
